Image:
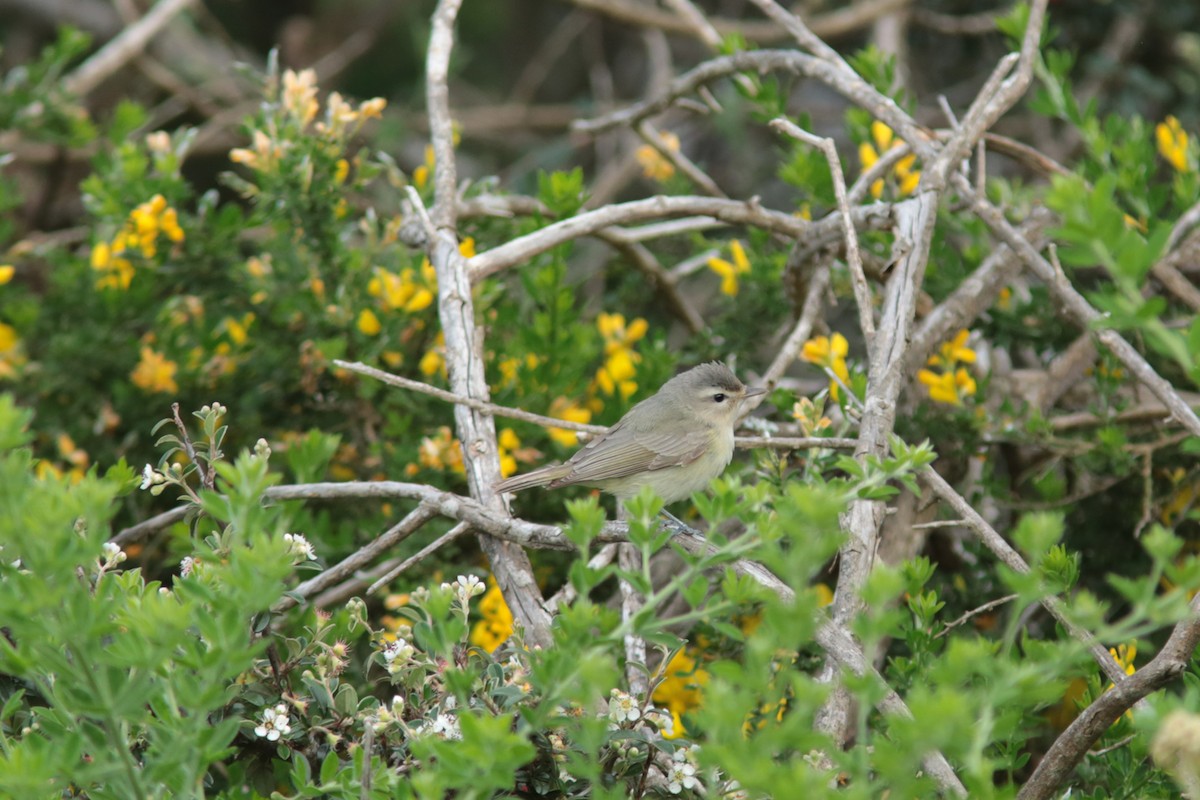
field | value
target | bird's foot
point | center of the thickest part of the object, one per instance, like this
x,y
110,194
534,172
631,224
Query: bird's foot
x,y
678,525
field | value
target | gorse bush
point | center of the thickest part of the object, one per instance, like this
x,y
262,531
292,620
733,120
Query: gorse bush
x,y
960,557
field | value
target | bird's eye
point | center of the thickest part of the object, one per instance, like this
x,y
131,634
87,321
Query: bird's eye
x,y
719,397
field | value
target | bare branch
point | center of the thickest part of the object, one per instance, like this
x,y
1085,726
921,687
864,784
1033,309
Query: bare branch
x,y
862,292
125,47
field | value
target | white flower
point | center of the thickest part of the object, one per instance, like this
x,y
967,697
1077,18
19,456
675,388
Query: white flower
x,y
465,587
148,476
660,720
446,726
399,650
113,554
262,449
299,547
623,707
681,775
275,723
188,566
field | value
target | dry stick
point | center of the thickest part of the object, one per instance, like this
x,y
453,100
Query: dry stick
x,y
1071,746
420,555
360,558
135,533
629,558
660,279
862,292
882,166
738,212
1078,309
833,23
464,353
390,570
836,75
745,442
122,49
1011,558
1188,220
470,402
994,99
651,136
988,606
915,218
801,333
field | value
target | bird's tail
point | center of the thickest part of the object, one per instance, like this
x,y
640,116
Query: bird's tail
x,y
539,477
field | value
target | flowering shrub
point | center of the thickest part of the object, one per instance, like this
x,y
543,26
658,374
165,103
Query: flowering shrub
x,y
287,594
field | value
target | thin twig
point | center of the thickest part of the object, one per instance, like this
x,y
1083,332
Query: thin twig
x,y
359,558
122,49
999,601
862,292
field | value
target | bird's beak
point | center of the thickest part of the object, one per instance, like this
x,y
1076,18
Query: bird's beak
x,y
754,392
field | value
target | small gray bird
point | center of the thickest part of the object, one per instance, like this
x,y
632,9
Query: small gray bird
x,y
675,442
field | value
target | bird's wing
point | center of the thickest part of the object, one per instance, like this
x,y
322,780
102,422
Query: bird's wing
x,y
624,451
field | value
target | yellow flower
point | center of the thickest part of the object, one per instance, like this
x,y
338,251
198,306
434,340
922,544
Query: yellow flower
x,y
883,135
371,109
441,452
654,165
1005,300
341,171
10,352
467,247
421,174
620,360
1124,654
954,383
101,255
155,373
6,273
884,139
1172,143
829,353
954,351
239,330
300,95
508,444
368,323
681,690
908,177
562,408
434,360
729,271
615,332
496,625
410,291
812,420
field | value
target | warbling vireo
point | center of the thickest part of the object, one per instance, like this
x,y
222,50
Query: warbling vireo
x,y
675,442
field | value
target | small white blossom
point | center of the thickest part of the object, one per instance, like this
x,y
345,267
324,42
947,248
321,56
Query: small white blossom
x,y
622,707
150,477
275,723
681,775
188,566
262,449
113,554
397,653
446,726
465,587
299,547
661,720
